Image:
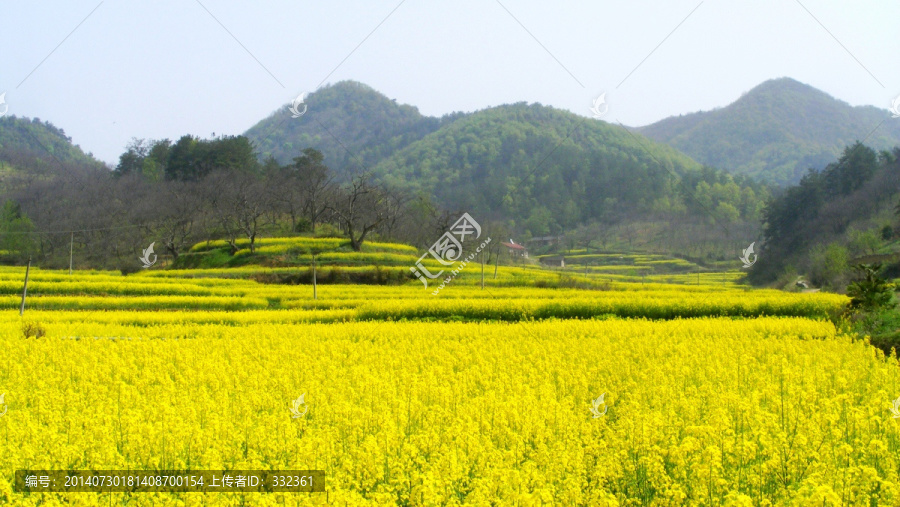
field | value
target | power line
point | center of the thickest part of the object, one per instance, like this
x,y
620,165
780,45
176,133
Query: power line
x,y
80,230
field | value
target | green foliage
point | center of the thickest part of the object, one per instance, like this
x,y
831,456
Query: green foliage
x,y
364,127
550,171
297,250
775,131
873,309
540,222
204,260
189,159
192,158
837,205
544,169
16,238
25,141
728,212
311,162
872,292
145,157
336,275
829,265
863,242
303,225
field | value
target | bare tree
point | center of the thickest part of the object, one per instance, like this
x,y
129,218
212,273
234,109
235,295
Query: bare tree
x,y
239,201
583,236
396,211
499,230
287,195
360,208
178,210
317,184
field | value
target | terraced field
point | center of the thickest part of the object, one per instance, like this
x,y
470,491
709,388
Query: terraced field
x,y
615,393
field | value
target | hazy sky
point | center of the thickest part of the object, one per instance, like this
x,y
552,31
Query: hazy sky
x,y
165,68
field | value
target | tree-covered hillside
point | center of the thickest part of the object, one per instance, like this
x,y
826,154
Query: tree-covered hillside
x,y
549,170
776,131
833,219
353,125
32,144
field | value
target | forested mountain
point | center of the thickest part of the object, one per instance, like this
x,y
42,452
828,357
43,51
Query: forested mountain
x,y
534,169
776,131
542,169
546,169
32,144
353,125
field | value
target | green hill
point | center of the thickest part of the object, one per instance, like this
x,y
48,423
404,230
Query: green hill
x,y
776,131
32,144
542,167
353,125
537,168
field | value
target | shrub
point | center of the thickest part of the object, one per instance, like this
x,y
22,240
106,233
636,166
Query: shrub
x,y
871,292
33,330
864,242
129,270
303,225
828,265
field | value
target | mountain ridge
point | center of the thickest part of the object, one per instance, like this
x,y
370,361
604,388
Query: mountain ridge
x,y
350,133
546,168
776,131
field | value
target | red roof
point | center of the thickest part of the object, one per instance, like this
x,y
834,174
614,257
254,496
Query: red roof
x,y
514,246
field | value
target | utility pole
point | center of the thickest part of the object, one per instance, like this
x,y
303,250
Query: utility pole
x,y
25,289
315,295
71,242
482,270
496,263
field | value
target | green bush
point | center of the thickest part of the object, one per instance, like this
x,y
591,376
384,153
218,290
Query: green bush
x,y
829,265
871,293
873,308
863,242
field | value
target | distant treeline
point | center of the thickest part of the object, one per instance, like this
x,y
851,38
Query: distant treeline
x,y
175,194
193,189
832,219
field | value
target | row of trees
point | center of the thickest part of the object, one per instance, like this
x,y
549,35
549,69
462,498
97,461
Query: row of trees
x,y
192,190
188,159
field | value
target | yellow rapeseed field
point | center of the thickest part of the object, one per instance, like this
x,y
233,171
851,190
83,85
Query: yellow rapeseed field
x,y
151,291
708,411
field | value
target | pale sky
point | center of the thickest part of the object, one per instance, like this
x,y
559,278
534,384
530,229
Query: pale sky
x,y
165,68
